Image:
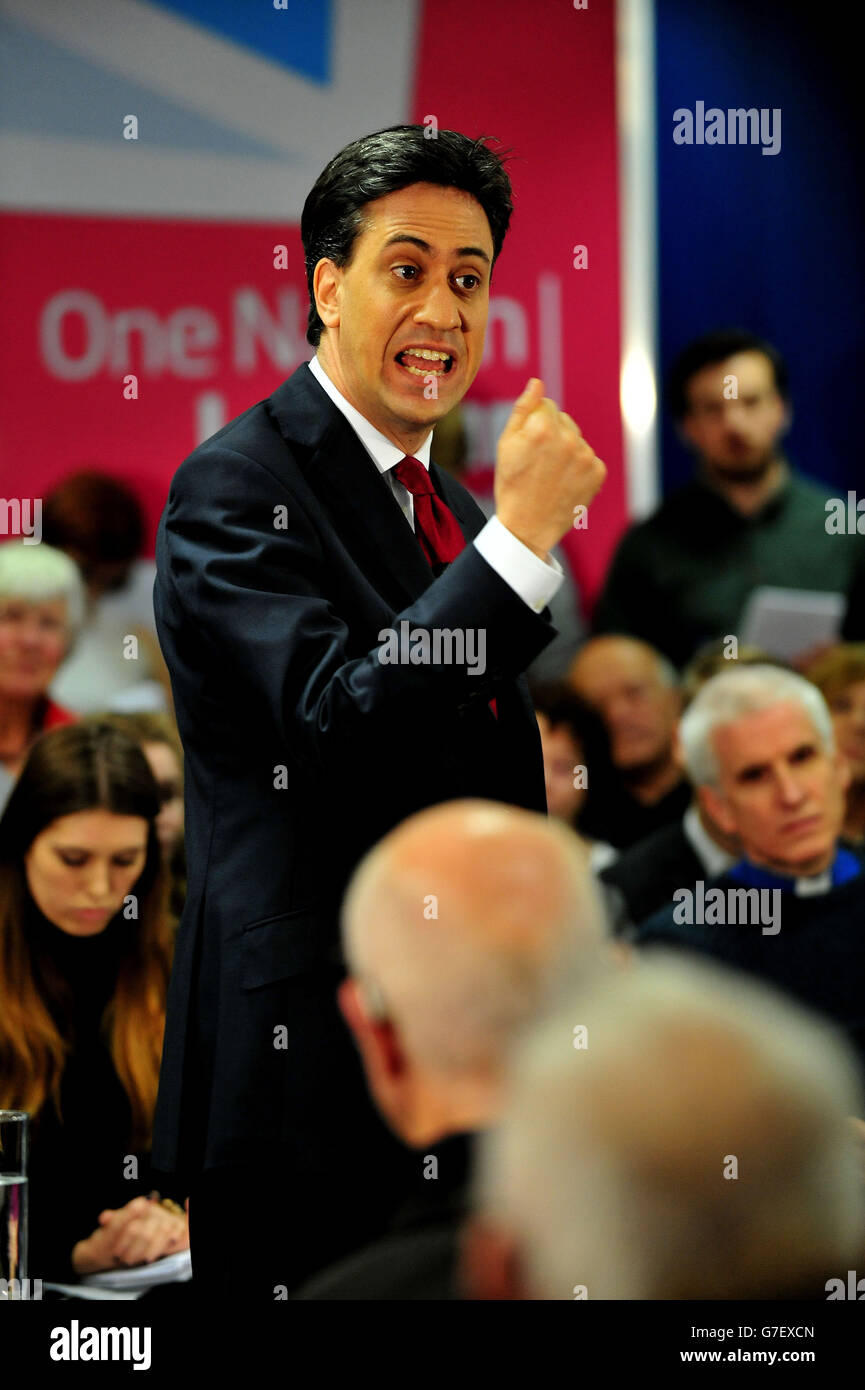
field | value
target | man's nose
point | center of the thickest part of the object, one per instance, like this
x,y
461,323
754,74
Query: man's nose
x,y
439,308
790,789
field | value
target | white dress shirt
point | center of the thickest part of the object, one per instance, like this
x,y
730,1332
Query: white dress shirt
x,y
712,856
528,575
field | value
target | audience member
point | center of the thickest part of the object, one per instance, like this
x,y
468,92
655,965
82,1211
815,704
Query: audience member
x,y
581,782
747,519
457,928
84,966
676,856
840,675
158,736
41,610
698,1147
635,692
98,521
758,743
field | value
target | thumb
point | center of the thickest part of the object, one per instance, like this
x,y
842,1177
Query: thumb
x,y
532,395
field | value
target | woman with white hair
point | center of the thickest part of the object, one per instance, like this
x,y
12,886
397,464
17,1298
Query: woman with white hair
x,y
41,609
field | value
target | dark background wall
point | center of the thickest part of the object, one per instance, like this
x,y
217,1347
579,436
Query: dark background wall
x,y
772,243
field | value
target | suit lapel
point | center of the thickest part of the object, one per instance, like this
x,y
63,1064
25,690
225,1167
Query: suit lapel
x,y
353,492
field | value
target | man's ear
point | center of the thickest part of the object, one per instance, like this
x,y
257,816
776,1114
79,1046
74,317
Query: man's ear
x,y
376,1039
787,419
348,996
683,433
717,808
326,284
489,1264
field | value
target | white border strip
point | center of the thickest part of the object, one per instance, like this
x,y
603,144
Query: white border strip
x,y
635,103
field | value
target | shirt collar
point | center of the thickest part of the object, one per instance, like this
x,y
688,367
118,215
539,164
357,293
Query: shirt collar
x,y
381,450
844,867
714,859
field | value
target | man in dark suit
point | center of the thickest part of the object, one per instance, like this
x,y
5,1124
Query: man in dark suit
x,y
345,635
648,873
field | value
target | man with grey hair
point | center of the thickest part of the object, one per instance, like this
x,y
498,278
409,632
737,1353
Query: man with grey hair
x,y
758,744
635,691
695,1146
458,927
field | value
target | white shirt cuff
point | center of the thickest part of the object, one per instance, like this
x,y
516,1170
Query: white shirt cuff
x,y
528,575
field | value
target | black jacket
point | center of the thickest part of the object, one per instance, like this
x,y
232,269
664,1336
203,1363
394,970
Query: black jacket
x,y
281,555
648,873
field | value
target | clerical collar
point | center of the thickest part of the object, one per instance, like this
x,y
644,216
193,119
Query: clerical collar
x,y
844,867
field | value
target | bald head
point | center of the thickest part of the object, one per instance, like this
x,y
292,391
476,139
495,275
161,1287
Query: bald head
x,y
462,920
696,1147
635,691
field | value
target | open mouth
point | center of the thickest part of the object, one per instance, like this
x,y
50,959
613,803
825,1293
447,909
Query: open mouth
x,y
420,362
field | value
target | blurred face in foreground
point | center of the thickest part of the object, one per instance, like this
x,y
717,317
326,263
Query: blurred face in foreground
x,y
780,791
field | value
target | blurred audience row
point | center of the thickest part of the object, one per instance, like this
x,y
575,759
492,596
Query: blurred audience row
x,y
589,1119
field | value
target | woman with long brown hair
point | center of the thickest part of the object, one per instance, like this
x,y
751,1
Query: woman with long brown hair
x,y
84,967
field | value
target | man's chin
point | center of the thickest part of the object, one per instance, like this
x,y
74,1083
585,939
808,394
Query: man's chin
x,y
741,470
806,862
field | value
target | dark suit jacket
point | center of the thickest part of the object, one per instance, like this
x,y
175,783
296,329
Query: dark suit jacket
x,y
648,873
281,554
409,1266
417,1257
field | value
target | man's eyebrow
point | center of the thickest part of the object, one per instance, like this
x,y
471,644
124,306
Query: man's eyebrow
x,y
425,246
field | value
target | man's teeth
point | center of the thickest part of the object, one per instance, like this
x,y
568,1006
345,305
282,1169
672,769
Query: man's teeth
x,y
424,355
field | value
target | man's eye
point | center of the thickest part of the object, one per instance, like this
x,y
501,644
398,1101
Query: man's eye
x,y
71,861
406,267
469,276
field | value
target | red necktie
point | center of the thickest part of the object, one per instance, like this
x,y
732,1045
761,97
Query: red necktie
x,y
436,527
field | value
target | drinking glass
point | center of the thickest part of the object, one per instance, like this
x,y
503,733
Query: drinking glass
x,y
13,1204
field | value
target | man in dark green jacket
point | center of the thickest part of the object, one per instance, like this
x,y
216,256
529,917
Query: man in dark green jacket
x,y
682,577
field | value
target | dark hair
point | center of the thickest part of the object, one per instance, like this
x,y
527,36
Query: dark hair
x,y
382,163
80,767
96,515
711,349
562,706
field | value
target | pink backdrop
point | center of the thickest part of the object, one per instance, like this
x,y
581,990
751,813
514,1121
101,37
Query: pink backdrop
x,y
195,309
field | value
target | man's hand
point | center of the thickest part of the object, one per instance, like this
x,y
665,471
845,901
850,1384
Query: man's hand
x,y
544,471
138,1233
